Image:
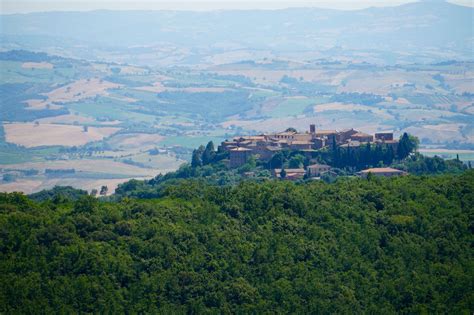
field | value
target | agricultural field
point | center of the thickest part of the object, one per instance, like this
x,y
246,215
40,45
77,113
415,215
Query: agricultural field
x,y
75,91
129,121
37,135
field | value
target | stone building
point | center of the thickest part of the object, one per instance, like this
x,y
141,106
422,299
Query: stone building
x,y
239,156
316,170
384,136
362,137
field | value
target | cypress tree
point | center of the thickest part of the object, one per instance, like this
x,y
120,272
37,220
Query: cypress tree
x,y
196,159
208,154
403,148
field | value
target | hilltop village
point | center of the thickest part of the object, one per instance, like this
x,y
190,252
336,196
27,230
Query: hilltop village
x,y
263,147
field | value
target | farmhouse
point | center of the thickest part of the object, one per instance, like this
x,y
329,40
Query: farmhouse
x,y
316,170
290,173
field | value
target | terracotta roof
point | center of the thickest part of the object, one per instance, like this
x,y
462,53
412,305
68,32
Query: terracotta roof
x,y
254,137
347,130
301,142
240,149
325,132
361,134
303,136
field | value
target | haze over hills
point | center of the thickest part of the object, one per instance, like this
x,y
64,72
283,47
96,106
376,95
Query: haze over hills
x,y
415,32
292,161
99,97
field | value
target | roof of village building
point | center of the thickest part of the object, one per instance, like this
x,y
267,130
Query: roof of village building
x,y
302,138
300,142
361,134
272,148
240,149
291,173
325,132
376,170
260,137
249,138
347,130
286,133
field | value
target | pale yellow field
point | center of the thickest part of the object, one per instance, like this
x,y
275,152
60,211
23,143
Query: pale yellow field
x,y
74,119
445,151
236,55
200,89
461,82
264,76
302,124
29,186
26,186
383,83
132,70
37,65
469,110
158,87
78,90
142,141
40,104
87,165
435,134
445,127
350,107
66,119
97,166
30,135
462,85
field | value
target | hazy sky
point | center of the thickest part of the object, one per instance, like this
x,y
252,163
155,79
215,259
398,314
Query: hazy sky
x,y
25,6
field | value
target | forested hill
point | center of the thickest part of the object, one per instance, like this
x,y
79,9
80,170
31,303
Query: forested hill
x,y
399,245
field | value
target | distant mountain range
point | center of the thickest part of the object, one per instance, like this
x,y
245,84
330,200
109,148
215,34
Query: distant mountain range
x,y
422,31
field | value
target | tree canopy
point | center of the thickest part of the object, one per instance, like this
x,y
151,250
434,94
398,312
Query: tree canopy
x,y
399,245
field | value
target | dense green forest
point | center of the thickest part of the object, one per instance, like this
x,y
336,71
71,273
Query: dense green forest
x,y
399,245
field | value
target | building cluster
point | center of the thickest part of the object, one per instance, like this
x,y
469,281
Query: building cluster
x,y
266,145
